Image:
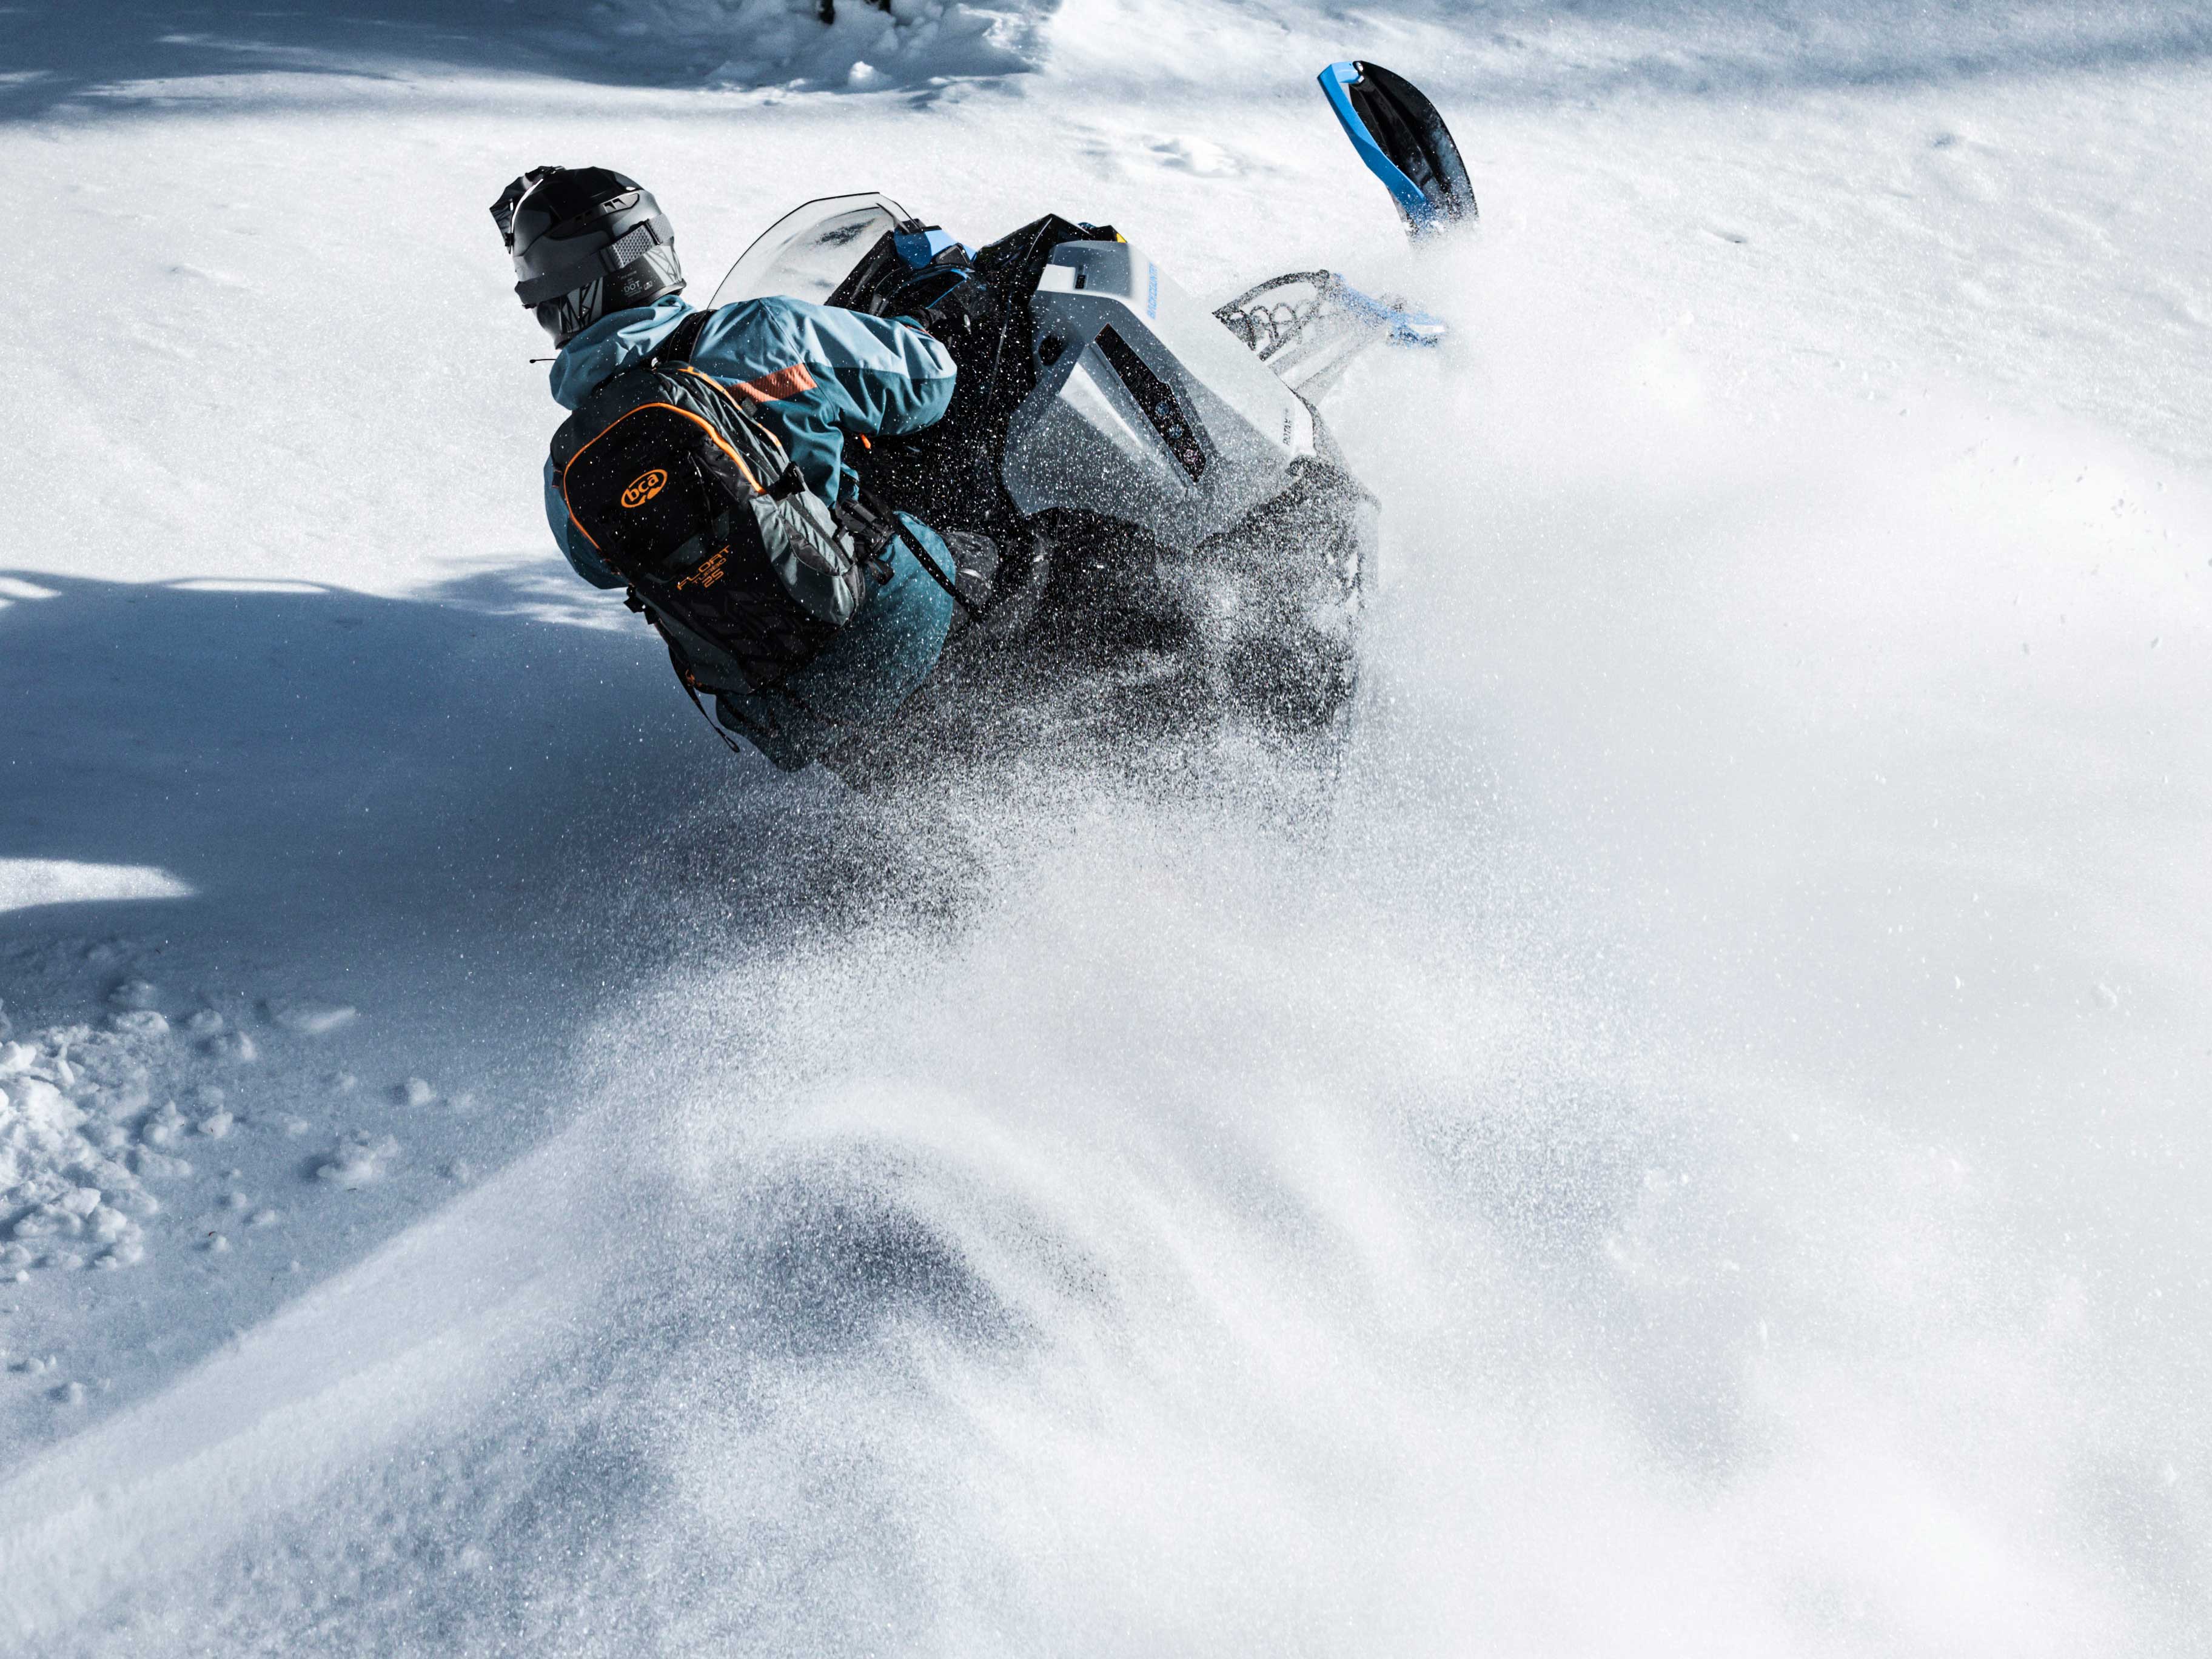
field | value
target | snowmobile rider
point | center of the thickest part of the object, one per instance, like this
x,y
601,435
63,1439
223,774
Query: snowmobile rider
x,y
596,260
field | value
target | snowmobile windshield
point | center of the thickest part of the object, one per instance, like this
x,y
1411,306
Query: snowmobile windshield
x,y
807,252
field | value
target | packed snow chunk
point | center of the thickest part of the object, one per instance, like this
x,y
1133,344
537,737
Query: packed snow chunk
x,y
27,882
80,1201
215,1245
59,1176
69,1394
38,1109
38,1130
309,1018
234,1045
135,995
357,1161
215,1125
16,1057
138,1023
96,1169
414,1092
45,1221
203,1023
164,1126
158,1166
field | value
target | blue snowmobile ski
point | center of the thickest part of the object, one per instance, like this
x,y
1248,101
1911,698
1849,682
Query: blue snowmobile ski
x,y
1404,143
1309,326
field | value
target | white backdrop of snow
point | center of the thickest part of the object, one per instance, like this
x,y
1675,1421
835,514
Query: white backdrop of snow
x,y
1705,1154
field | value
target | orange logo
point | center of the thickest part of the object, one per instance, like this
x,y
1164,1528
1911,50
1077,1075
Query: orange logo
x,y
644,486
706,574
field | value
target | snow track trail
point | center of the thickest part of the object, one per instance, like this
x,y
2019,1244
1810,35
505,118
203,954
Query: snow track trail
x,y
1698,1148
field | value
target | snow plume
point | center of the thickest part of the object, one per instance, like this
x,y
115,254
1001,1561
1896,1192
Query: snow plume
x,y
842,43
1614,1187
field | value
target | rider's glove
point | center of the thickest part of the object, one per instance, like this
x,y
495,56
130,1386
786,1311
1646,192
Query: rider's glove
x,y
936,299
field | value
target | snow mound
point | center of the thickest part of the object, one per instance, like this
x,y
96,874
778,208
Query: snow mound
x,y
90,1116
863,46
70,1193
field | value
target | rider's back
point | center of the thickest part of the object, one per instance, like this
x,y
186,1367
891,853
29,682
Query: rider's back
x,y
815,376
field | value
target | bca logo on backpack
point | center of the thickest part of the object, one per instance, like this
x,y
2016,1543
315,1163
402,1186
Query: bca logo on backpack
x,y
692,502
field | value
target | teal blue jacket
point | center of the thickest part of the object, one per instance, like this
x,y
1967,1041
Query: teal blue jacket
x,y
815,375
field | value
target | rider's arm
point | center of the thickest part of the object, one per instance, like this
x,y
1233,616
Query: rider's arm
x,y
817,375
572,546
892,402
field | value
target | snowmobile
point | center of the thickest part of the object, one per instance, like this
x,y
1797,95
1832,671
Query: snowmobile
x,y
1178,541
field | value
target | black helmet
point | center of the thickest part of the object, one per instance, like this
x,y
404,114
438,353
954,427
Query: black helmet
x,y
586,242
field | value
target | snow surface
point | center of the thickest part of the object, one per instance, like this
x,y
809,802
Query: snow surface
x,y
1702,1151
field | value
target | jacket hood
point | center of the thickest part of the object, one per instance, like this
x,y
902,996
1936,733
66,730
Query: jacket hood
x,y
613,344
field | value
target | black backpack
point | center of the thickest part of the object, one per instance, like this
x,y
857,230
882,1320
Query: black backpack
x,y
746,572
